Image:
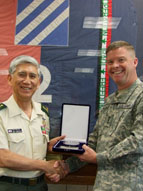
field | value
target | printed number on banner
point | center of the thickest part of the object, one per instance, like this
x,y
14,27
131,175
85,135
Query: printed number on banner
x,y
43,86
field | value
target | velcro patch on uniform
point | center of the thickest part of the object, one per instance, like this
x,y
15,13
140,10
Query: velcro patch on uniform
x,y
124,106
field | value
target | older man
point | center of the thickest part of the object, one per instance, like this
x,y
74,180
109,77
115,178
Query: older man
x,y
24,131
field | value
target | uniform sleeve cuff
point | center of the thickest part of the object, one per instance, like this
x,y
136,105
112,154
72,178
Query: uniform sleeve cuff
x,y
101,158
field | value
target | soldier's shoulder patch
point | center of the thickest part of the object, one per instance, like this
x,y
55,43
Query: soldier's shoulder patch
x,y
2,106
45,109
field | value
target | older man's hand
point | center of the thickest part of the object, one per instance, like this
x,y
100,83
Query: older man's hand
x,y
62,170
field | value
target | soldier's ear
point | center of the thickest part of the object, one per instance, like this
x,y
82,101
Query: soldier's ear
x,y
135,62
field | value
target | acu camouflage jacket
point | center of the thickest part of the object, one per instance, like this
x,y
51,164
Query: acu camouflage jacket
x,y
117,139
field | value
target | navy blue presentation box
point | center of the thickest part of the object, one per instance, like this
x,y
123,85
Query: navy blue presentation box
x,y
75,126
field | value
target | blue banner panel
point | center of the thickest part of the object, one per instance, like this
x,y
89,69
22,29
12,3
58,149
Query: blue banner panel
x,y
74,69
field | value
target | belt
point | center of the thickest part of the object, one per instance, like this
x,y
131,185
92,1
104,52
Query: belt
x,y
22,181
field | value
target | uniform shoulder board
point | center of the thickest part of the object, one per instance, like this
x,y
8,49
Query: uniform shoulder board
x,y
2,106
45,109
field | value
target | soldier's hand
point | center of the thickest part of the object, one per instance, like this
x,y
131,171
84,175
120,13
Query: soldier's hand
x,y
88,156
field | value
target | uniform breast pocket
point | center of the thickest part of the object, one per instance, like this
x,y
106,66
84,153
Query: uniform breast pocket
x,y
40,146
119,120
17,143
46,138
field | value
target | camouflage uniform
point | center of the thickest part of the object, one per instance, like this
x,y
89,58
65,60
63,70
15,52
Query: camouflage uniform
x,y
118,141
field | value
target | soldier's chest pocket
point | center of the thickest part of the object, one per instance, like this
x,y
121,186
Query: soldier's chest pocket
x,y
17,142
115,118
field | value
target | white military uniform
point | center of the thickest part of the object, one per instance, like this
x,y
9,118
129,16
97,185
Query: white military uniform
x,y
24,136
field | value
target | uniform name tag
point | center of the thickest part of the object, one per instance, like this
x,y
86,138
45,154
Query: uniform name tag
x,y
14,130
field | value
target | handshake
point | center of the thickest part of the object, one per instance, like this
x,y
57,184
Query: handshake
x,y
57,170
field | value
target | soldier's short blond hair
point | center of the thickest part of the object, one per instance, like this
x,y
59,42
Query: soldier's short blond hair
x,y
118,44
